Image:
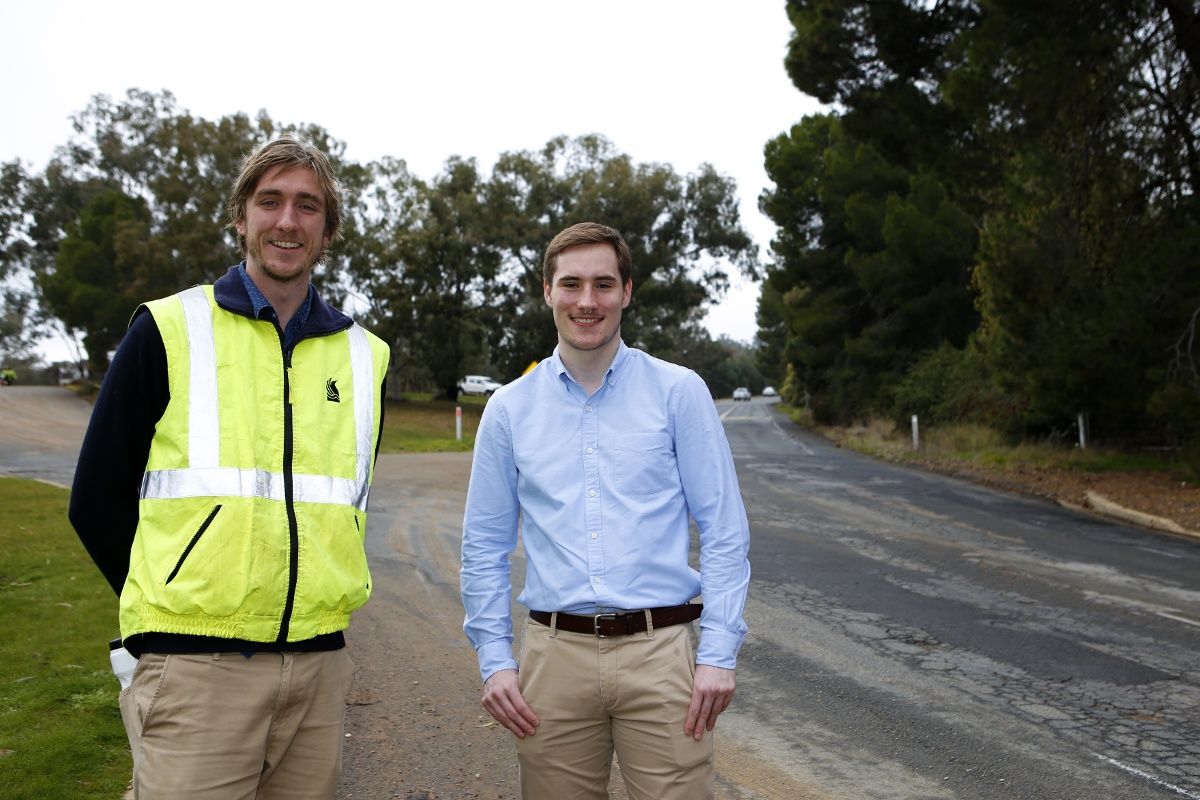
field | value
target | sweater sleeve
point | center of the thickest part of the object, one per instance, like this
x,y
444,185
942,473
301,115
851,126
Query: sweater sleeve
x,y
108,476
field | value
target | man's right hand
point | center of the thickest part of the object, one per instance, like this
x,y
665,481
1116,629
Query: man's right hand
x,y
503,700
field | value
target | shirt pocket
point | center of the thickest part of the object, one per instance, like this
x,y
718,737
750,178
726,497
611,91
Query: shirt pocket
x,y
644,463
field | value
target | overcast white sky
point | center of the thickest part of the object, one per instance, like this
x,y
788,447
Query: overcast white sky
x,y
677,81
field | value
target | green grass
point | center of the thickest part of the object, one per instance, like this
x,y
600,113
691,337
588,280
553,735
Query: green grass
x,y
60,727
983,447
418,424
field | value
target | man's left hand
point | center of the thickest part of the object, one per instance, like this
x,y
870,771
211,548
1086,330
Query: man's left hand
x,y
712,691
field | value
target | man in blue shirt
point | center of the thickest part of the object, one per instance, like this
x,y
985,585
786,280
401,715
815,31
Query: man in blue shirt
x,y
599,456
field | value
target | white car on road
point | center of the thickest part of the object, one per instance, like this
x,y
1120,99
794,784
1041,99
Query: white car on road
x,y
478,385
741,393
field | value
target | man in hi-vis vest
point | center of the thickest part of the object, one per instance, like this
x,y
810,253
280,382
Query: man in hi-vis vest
x,y
222,490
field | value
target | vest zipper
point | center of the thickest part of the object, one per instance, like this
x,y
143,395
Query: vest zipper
x,y
293,528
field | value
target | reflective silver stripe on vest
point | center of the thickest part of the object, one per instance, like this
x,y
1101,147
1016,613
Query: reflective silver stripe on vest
x,y
362,368
204,476
204,430
165,484
230,482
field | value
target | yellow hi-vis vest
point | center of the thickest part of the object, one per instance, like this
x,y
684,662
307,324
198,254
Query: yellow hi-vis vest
x,y
253,504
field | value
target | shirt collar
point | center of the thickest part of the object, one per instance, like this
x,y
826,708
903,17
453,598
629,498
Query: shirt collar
x,y
619,362
260,302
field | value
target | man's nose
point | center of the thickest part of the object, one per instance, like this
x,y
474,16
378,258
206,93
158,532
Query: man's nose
x,y
587,297
288,217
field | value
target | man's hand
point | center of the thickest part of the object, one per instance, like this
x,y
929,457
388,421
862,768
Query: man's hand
x,y
503,700
712,691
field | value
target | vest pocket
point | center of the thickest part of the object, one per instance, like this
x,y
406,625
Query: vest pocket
x,y
195,538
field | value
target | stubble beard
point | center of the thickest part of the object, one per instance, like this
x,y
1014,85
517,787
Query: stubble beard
x,y
255,251
578,344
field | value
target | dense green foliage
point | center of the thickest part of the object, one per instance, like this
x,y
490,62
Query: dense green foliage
x,y
1000,222
446,270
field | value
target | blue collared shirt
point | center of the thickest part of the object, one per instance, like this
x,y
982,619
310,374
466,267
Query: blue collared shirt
x,y
291,334
602,488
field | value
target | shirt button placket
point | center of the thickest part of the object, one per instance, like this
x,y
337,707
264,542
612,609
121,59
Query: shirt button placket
x,y
591,501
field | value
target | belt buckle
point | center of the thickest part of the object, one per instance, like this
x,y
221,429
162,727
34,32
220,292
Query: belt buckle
x,y
596,622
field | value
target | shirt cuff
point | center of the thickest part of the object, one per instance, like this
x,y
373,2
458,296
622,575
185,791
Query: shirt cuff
x,y
718,649
493,657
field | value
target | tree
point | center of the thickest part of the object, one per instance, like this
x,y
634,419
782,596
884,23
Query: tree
x,y
16,291
875,273
106,265
683,232
179,168
875,241
378,215
1062,139
450,267
448,270
1096,210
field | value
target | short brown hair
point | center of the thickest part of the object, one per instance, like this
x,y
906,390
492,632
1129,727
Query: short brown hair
x,y
290,152
587,233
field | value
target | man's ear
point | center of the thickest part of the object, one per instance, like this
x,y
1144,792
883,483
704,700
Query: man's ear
x,y
628,293
546,292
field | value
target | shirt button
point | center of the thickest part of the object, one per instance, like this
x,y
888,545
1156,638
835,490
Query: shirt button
x,y
591,492
595,536
595,580
587,408
591,450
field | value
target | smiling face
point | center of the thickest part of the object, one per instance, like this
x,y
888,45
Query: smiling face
x,y
284,225
587,297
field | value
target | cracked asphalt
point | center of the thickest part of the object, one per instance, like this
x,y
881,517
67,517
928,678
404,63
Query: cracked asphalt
x,y
914,636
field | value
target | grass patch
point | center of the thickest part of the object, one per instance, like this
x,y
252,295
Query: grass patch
x,y
418,424
976,445
60,727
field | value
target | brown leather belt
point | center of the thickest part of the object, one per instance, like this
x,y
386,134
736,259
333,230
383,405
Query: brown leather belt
x,y
621,623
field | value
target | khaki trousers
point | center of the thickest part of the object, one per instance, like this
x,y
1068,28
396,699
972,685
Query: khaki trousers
x,y
221,726
593,695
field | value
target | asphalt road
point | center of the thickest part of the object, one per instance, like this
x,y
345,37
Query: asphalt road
x,y
41,428
914,636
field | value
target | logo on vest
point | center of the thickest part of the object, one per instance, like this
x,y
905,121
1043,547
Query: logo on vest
x,y
331,391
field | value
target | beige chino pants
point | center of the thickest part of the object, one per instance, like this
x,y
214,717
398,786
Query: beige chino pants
x,y
221,726
595,695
